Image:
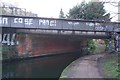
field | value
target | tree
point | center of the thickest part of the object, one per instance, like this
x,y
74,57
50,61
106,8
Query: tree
x,y
89,11
77,11
61,15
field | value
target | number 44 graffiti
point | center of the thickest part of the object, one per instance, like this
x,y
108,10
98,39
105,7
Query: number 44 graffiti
x,y
8,39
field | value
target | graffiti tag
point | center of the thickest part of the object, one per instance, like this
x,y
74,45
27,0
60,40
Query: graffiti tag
x,y
3,20
8,39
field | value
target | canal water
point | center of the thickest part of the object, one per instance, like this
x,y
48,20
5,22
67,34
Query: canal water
x,y
40,67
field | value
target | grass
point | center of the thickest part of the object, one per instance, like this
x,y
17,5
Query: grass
x,y
110,67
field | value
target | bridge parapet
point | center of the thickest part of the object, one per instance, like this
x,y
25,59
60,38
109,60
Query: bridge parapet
x,y
57,24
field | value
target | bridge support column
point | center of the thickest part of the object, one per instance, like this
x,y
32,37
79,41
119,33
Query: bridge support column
x,y
117,42
110,46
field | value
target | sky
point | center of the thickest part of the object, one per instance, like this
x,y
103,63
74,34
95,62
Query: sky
x,y
51,8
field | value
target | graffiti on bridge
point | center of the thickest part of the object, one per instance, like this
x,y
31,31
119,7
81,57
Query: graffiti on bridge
x,y
8,39
52,23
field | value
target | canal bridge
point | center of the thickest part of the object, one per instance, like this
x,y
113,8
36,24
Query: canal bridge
x,y
37,35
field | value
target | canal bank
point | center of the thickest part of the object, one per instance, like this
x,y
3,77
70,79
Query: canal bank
x,y
84,67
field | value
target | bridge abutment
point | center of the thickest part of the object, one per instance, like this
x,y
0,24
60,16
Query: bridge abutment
x,y
26,45
114,42
117,42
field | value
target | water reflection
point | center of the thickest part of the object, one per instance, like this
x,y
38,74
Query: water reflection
x,y
42,67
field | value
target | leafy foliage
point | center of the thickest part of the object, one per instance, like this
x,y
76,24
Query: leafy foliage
x,y
89,11
91,46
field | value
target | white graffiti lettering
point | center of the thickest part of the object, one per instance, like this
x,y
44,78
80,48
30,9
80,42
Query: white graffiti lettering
x,y
28,21
90,24
47,22
0,20
8,39
18,20
76,23
70,23
99,28
3,20
53,23
0,37
73,23
12,39
43,22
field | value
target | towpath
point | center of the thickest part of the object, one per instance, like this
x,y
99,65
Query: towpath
x,y
85,67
